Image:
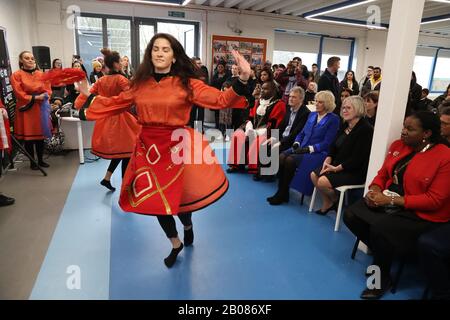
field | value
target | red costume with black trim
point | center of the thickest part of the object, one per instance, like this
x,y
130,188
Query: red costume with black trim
x,y
272,119
155,182
114,137
27,124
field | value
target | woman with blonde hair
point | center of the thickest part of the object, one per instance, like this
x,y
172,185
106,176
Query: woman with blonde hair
x,y
309,149
348,158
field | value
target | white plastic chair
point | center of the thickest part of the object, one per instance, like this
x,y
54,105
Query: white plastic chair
x,y
342,190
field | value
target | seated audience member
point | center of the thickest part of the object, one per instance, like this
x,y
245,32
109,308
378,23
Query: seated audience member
x,y
408,197
445,124
293,121
365,79
348,159
442,106
267,114
433,106
424,102
434,256
345,93
371,103
309,149
290,127
350,82
310,93
72,89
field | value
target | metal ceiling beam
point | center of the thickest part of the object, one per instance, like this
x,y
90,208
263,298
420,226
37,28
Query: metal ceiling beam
x,y
264,4
281,4
247,4
200,2
215,3
231,3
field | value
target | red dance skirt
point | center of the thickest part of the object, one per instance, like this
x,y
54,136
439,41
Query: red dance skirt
x,y
166,177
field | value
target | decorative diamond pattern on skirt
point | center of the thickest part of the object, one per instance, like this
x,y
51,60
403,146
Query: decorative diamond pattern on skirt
x,y
142,184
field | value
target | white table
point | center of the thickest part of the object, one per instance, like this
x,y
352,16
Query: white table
x,y
79,134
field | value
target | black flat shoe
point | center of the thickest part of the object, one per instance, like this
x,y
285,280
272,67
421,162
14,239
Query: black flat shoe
x,y
107,184
275,201
376,294
172,257
34,166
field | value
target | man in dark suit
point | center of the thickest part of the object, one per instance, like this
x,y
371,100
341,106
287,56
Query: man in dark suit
x,y
292,124
328,80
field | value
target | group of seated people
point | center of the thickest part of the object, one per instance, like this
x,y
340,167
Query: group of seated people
x,y
407,208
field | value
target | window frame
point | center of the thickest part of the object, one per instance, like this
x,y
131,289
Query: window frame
x,y
134,31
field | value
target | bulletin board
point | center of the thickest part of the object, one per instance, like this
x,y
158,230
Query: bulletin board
x,y
253,50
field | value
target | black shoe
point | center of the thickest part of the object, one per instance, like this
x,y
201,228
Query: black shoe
x,y
324,213
6,201
375,294
172,257
277,200
34,166
107,184
188,237
43,164
270,178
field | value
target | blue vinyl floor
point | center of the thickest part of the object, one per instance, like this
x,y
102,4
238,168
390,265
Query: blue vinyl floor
x,y
243,249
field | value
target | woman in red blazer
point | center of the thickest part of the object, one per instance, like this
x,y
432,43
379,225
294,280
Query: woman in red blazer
x,y
409,196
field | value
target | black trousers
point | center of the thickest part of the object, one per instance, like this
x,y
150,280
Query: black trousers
x,y
434,255
115,162
168,223
29,146
387,235
285,174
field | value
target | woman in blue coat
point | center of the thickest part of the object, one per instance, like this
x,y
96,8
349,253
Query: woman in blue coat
x,y
309,149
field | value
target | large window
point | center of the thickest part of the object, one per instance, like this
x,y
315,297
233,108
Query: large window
x,y
119,36
422,67
285,56
441,77
89,36
308,48
185,33
129,37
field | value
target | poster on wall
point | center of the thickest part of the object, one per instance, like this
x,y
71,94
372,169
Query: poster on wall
x,y
253,50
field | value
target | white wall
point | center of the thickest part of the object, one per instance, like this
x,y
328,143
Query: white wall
x,y
18,19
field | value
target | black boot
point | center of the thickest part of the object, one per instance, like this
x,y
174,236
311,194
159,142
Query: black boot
x,y
172,257
43,164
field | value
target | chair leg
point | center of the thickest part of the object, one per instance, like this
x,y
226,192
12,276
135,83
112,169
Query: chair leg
x,y
303,198
397,276
339,211
313,199
355,248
